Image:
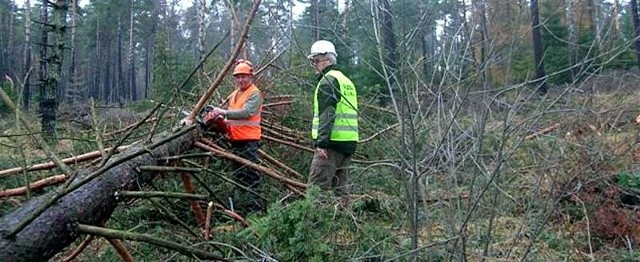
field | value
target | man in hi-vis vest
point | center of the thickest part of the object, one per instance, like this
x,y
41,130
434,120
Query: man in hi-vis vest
x,y
335,122
244,132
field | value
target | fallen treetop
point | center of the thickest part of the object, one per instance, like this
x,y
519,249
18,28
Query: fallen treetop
x,y
91,204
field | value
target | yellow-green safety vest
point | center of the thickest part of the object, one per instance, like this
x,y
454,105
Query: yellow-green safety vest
x,y
345,126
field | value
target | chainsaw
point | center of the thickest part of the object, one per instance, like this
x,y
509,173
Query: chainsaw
x,y
217,124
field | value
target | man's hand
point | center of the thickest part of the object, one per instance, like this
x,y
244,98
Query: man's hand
x,y
219,111
213,114
208,117
322,153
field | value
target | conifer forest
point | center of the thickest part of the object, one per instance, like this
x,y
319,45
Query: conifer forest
x,y
485,130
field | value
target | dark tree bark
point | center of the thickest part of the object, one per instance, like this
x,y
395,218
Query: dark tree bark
x,y
107,79
388,37
59,30
10,59
150,50
95,85
121,91
479,38
636,26
390,55
92,204
148,66
47,96
52,84
541,77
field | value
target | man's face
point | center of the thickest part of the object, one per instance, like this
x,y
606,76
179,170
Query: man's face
x,y
242,81
319,62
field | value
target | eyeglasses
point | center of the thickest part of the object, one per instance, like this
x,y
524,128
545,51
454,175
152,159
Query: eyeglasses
x,y
317,60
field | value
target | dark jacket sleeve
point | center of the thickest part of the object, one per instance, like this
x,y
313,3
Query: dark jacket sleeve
x,y
328,97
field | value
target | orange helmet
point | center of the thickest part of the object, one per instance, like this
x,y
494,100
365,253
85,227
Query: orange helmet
x,y
243,67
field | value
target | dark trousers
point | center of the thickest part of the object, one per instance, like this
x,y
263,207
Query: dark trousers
x,y
246,176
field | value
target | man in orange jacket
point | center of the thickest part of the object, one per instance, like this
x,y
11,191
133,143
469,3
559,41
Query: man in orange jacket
x,y
243,126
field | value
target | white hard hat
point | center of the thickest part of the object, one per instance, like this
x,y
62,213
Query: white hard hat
x,y
322,47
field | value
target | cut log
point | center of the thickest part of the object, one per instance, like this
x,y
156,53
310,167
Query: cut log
x,y
34,186
50,165
92,204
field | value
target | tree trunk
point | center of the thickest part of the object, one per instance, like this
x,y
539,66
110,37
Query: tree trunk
x,y
315,32
95,86
151,43
345,18
133,90
92,204
73,90
201,7
121,93
636,26
148,66
10,60
616,20
234,26
46,99
107,79
389,38
390,55
541,78
598,22
51,85
289,45
423,43
465,43
478,34
573,37
26,92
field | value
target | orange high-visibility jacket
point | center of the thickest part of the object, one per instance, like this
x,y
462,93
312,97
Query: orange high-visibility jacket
x,y
246,128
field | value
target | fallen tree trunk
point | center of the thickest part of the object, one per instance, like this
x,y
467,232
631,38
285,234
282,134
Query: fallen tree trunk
x,y
91,204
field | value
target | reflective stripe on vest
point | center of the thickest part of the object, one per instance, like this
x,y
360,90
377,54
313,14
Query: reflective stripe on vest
x,y
345,125
232,122
246,128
